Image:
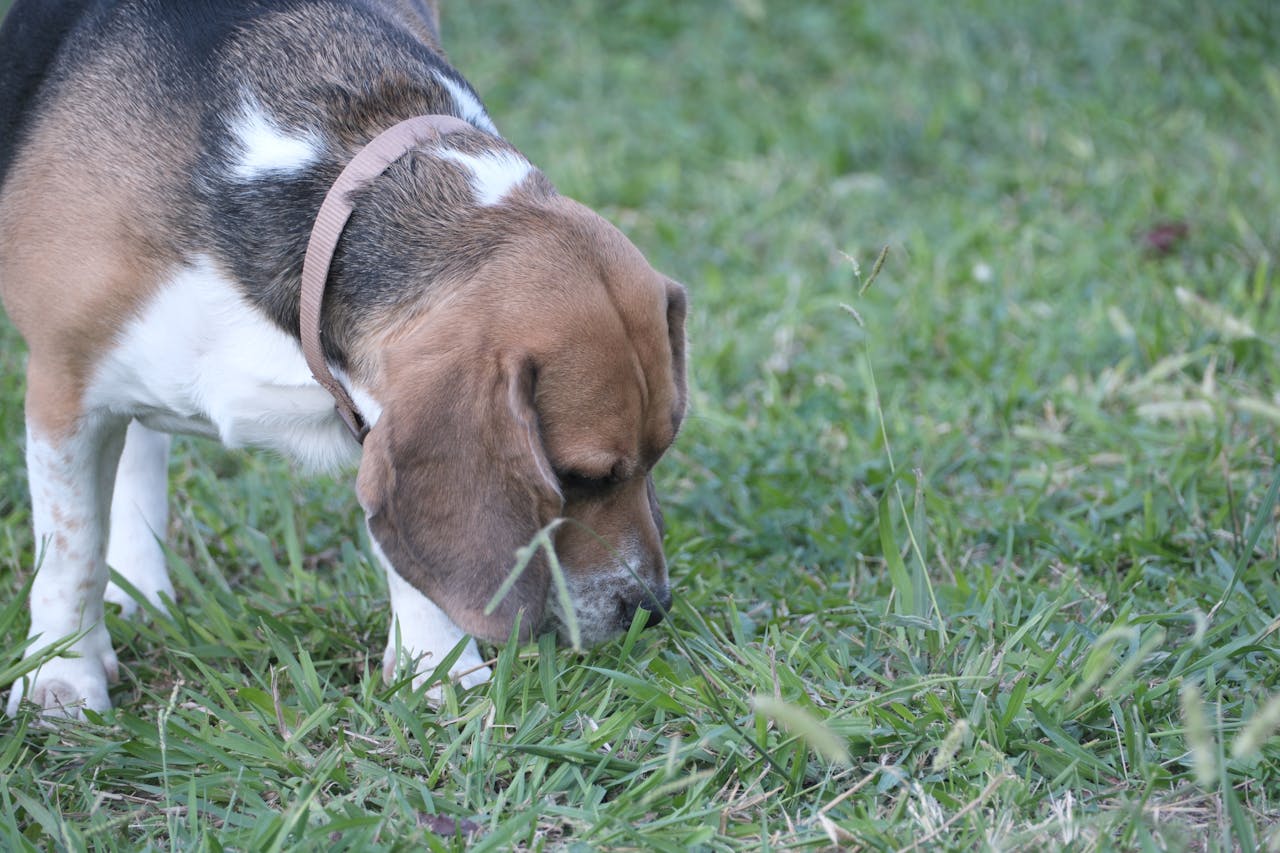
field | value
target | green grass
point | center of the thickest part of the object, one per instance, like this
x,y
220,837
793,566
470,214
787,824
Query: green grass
x,y
992,564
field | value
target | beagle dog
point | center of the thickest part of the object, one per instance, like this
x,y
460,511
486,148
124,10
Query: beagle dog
x,y
518,365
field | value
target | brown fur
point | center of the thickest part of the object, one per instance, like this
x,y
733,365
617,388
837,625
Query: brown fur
x,y
592,341
88,227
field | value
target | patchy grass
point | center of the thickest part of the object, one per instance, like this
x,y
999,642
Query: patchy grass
x,y
989,561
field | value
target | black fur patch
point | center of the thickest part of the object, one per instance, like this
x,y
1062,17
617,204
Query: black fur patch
x,y
31,38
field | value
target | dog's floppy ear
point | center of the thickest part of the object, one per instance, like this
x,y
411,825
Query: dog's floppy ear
x,y
454,480
677,308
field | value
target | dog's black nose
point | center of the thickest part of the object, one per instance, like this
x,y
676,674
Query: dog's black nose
x,y
654,605
655,616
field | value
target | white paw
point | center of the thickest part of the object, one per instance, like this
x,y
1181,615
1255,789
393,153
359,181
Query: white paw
x,y
65,687
422,635
139,557
467,671
473,677
158,593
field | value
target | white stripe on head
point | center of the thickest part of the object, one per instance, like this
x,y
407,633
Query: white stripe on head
x,y
468,105
267,149
492,174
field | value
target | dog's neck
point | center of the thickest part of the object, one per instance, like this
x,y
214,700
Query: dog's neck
x,y
422,214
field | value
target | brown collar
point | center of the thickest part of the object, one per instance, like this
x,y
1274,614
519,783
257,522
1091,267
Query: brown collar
x,y
369,162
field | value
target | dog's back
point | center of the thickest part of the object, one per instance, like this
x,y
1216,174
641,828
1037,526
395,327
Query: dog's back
x,y
36,37
31,38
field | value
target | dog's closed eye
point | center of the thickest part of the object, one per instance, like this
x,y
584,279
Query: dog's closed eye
x,y
579,481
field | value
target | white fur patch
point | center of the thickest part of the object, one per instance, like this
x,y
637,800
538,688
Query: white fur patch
x,y
265,148
493,174
468,105
422,634
200,359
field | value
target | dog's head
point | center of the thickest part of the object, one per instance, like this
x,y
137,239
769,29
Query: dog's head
x,y
544,386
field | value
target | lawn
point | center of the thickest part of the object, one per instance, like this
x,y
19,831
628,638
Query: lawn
x,y
974,543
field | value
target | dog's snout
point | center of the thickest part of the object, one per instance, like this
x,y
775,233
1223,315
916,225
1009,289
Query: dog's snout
x,y
655,605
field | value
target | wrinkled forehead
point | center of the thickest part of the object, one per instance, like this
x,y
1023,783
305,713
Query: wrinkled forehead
x,y
596,318
605,389
606,393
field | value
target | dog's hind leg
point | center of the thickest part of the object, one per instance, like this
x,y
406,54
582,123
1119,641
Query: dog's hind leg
x,y
139,517
71,463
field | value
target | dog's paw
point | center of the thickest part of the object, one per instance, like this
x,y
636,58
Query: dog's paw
x,y
472,677
140,560
158,593
465,677
66,687
469,670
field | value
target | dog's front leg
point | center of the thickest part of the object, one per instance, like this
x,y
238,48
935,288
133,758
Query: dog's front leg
x,y
71,468
139,516
422,634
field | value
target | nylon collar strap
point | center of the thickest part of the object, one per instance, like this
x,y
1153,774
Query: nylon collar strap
x,y
369,162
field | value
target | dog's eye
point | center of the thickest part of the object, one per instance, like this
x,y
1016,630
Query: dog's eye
x,y
578,481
